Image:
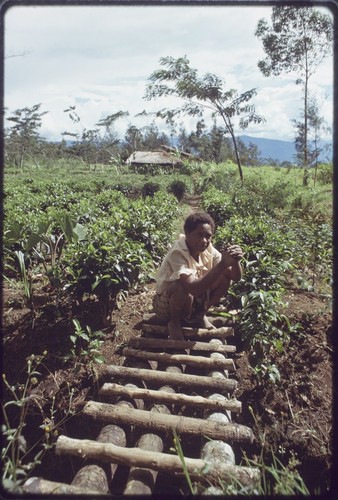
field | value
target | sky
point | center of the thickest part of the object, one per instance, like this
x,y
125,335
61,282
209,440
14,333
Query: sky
x,y
99,59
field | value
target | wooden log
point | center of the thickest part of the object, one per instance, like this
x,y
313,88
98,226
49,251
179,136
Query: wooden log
x,y
39,486
177,398
218,374
141,481
131,402
169,464
152,319
94,476
165,344
170,378
191,333
162,423
187,359
115,435
91,477
217,451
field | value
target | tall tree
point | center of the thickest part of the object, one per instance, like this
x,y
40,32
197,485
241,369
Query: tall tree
x,y
152,138
183,139
177,78
109,151
297,41
316,126
23,137
134,138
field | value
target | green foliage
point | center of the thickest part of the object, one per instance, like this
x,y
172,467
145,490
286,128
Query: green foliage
x,y
177,78
297,41
85,344
325,174
218,205
93,245
19,455
277,478
95,241
264,331
26,279
277,252
107,264
23,140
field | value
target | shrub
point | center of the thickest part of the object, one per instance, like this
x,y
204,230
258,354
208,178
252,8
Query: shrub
x,y
150,188
178,188
325,174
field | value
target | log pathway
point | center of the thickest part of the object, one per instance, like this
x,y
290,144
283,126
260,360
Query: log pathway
x,y
176,400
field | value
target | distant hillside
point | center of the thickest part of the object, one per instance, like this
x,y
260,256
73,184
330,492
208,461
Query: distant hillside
x,y
279,150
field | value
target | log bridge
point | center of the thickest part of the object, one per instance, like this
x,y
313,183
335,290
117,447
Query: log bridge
x,y
166,420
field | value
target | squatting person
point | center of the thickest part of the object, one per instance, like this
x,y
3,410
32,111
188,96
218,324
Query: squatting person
x,y
194,276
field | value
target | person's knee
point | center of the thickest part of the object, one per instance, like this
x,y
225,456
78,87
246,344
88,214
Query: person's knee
x,y
177,292
179,297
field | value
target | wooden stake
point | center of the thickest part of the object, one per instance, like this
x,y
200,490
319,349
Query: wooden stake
x,y
174,379
187,359
175,399
165,344
198,469
157,422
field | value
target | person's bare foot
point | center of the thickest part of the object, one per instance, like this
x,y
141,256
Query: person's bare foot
x,y
175,331
203,322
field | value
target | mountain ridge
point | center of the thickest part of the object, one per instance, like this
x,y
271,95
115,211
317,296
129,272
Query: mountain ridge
x,y
277,149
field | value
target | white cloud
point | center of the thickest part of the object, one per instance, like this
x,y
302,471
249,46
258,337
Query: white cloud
x,y
99,59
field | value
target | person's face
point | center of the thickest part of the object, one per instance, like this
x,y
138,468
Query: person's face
x,y
199,239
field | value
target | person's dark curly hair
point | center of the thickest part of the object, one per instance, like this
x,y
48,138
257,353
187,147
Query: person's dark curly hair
x,y
196,218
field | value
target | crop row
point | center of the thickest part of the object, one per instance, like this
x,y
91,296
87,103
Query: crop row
x,y
97,245
282,251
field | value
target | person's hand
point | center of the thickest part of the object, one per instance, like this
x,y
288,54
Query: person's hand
x,y
231,254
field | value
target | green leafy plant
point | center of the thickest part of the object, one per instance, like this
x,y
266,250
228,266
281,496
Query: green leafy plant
x,y
85,344
278,478
264,331
25,277
19,457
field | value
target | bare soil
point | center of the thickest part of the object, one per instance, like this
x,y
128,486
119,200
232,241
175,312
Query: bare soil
x,y
291,418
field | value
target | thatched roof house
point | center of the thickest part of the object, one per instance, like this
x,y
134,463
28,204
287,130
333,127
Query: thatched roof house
x,y
162,158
